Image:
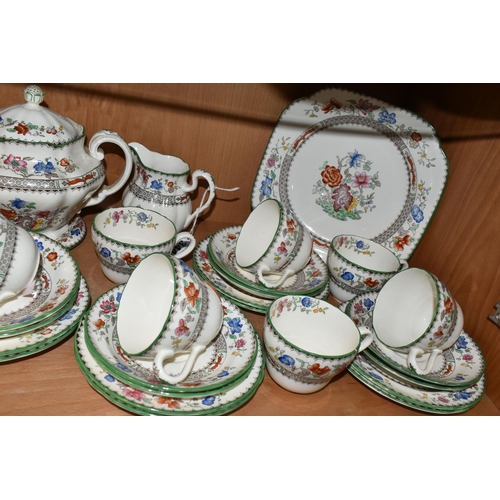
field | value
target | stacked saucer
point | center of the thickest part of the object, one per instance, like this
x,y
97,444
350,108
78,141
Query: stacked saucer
x,y
214,261
224,377
33,322
455,384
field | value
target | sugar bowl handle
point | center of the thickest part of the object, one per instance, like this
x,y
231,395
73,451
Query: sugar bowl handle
x,y
99,138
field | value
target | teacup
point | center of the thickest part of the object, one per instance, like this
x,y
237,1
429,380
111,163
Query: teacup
x,y
124,236
358,265
273,244
415,314
19,260
308,341
167,311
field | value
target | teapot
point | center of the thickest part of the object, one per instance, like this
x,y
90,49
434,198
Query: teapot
x,y
47,174
160,183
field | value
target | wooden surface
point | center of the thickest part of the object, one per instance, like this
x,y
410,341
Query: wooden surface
x,y
224,129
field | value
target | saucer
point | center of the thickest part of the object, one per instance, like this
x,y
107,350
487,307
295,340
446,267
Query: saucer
x,y
206,271
143,403
42,338
225,361
442,401
221,252
75,233
57,281
461,365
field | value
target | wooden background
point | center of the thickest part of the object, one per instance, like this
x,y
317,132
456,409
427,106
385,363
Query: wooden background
x,y
224,129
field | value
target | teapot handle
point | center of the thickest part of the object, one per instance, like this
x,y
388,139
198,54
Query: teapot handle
x,y
99,138
211,192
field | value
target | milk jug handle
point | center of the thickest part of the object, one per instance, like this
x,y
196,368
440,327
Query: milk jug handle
x,y
99,138
211,192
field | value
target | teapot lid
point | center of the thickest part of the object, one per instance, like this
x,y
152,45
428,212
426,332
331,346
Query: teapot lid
x,y
34,124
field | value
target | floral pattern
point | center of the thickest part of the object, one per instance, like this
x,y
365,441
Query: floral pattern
x,y
346,190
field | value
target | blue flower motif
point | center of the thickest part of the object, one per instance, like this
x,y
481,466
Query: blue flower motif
x,y
105,252
223,374
368,303
18,203
347,276
459,377
109,378
186,268
314,282
118,296
235,325
462,395
355,159
360,244
39,244
123,368
208,401
75,232
68,315
417,213
41,167
461,343
287,360
306,302
156,185
375,375
266,187
386,117
142,217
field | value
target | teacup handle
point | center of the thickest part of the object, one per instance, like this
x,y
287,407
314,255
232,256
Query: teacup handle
x,y
211,192
99,138
274,284
412,360
165,354
367,336
185,235
403,265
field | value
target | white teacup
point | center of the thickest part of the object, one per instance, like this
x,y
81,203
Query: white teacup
x,y
415,314
273,242
19,260
358,265
124,236
165,311
308,341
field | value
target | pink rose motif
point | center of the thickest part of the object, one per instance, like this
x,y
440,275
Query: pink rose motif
x,y
116,216
282,249
271,162
182,329
108,306
15,162
240,343
133,393
467,357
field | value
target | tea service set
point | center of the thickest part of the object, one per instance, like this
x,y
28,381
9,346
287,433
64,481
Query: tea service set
x,y
168,339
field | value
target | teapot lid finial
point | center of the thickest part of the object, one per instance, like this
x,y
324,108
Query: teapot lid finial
x,y
34,94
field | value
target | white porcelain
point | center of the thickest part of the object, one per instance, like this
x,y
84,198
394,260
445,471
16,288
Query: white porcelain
x,y
43,337
47,174
310,280
415,314
439,401
124,236
19,260
160,183
225,361
309,341
128,396
272,244
350,163
56,284
358,265
166,310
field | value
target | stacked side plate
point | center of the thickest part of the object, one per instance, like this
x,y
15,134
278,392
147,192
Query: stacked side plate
x,y
214,262
32,323
455,384
224,377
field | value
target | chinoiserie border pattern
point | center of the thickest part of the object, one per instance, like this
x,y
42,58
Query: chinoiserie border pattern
x,y
7,252
157,198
